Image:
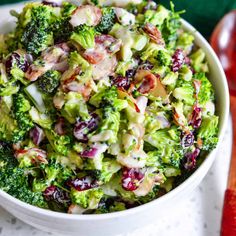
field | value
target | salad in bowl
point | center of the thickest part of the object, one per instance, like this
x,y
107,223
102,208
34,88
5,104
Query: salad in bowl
x,y
104,105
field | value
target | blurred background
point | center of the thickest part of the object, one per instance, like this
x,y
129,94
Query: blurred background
x,y
203,14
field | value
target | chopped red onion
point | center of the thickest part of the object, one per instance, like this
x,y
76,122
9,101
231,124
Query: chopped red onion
x,y
37,135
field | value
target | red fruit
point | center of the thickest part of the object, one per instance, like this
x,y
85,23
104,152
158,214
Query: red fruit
x,y
121,82
178,59
84,183
131,178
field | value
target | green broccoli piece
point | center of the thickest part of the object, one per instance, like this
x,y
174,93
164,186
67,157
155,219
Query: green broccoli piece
x,y
163,58
75,61
170,27
151,51
15,181
75,107
108,97
67,9
54,174
9,88
105,94
87,199
206,92
49,82
41,119
185,41
110,107
21,108
37,35
208,132
8,124
184,91
59,143
168,145
62,30
107,21
84,35
198,61
109,168
156,17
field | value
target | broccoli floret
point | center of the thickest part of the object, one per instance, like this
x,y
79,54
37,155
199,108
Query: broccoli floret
x,y
9,88
87,199
84,35
163,58
74,107
75,61
109,168
151,51
184,91
41,119
59,143
170,27
21,108
48,82
107,94
15,182
54,174
61,30
37,35
208,132
107,21
156,17
67,9
206,92
168,144
198,61
110,107
185,42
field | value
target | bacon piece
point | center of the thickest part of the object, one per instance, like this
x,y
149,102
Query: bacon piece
x,y
37,155
154,33
149,83
105,45
54,57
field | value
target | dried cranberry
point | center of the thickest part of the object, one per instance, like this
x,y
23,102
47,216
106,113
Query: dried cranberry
x,y
91,153
146,65
178,59
121,82
60,126
187,139
16,60
37,135
148,84
93,122
130,73
191,159
84,183
196,119
53,193
131,178
81,129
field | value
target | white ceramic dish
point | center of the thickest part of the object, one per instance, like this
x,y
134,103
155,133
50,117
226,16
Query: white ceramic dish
x,y
125,221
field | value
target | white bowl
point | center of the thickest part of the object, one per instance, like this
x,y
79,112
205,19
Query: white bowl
x,y
128,220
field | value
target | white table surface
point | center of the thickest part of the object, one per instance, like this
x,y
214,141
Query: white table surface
x,y
198,215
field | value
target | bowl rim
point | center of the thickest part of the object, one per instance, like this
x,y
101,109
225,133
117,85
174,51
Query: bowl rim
x,y
207,162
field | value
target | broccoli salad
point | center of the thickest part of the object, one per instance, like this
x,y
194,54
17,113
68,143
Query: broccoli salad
x,y
104,105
